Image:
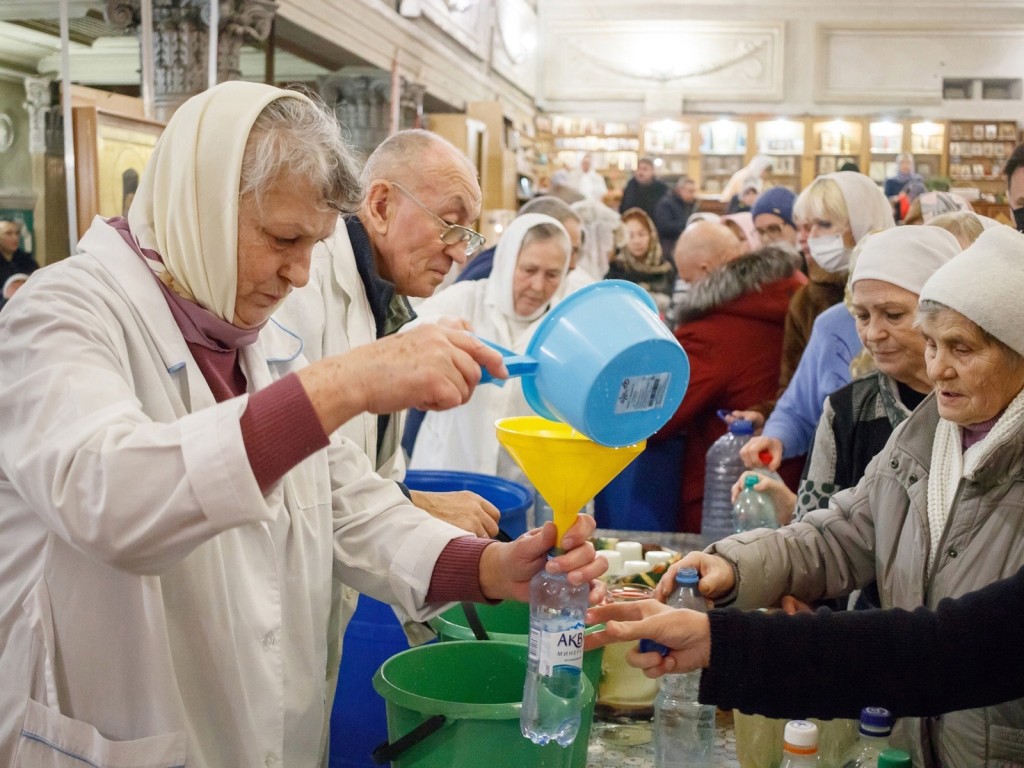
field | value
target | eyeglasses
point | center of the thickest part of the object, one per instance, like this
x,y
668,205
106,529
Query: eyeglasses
x,y
450,233
772,230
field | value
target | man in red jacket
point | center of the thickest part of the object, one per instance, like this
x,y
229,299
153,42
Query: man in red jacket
x,y
730,323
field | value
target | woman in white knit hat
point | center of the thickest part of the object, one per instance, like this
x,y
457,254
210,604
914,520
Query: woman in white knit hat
x,y
940,511
858,419
842,209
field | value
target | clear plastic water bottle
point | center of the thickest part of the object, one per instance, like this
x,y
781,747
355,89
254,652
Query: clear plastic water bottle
x,y
800,745
684,729
753,509
723,468
552,696
872,739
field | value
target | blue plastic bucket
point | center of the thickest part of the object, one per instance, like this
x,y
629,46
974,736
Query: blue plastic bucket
x,y
512,499
359,719
607,365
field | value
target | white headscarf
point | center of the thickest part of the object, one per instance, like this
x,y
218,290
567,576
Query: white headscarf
x,y
499,286
866,204
904,256
755,168
186,206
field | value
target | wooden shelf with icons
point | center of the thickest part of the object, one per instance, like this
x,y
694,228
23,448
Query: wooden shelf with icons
x,y
723,151
669,143
783,140
978,150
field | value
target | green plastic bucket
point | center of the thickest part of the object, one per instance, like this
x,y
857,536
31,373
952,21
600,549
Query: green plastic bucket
x,y
461,701
508,622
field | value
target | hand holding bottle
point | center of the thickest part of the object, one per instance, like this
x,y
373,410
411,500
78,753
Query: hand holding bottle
x,y
717,577
783,499
770,446
506,568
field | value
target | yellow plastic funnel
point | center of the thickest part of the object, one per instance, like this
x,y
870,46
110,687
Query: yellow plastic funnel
x,y
567,468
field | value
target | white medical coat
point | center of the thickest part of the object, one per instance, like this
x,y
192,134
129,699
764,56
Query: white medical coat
x,y
156,609
332,315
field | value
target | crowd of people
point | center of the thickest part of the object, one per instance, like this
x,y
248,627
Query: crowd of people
x,y
255,336
882,366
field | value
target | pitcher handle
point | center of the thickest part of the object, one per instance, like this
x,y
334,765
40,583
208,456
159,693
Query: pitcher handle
x,y
518,365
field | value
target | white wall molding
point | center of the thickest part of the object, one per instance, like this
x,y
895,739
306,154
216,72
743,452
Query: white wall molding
x,y
878,64
640,60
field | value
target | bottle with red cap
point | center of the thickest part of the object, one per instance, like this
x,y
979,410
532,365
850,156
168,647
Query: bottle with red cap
x,y
800,745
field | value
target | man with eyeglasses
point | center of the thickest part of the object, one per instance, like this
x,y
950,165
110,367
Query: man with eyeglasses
x,y
480,266
420,194
773,217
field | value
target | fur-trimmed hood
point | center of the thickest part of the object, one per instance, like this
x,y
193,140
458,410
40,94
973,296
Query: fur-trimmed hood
x,y
749,274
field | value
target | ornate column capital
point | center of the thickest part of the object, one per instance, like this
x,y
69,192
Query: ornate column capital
x,y
181,41
37,103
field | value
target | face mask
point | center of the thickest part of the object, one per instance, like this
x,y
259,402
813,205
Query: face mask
x,y
1018,218
830,253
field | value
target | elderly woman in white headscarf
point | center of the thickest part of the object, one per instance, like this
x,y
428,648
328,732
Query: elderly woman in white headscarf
x,y
858,419
940,511
841,209
176,510
530,265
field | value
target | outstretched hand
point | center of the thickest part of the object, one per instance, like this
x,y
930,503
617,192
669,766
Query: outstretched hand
x,y
717,578
687,635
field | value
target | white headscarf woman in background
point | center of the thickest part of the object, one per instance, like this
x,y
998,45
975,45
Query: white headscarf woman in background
x,y
528,278
757,168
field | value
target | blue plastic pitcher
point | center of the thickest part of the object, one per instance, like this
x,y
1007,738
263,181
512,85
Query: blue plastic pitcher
x,y
603,362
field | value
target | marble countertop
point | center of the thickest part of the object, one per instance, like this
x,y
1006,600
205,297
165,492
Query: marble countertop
x,y
631,745
617,745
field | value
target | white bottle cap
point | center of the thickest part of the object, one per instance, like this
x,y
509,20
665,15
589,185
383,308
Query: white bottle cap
x,y
631,550
802,734
656,557
614,559
633,567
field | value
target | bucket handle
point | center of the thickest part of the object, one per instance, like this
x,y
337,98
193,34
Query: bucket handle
x,y
518,365
474,621
387,752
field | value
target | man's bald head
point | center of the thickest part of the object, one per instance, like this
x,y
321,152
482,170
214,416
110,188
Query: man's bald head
x,y
704,247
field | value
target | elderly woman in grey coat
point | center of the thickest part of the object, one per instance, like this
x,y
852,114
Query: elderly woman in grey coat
x,y
939,512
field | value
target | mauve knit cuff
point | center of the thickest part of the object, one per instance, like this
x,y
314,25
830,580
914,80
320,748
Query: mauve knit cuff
x,y
280,429
456,575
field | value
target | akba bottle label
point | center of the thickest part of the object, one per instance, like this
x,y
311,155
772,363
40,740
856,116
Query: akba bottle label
x,y
557,647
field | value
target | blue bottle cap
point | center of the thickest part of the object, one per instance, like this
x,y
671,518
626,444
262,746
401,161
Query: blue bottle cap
x,y
646,646
742,427
687,577
875,721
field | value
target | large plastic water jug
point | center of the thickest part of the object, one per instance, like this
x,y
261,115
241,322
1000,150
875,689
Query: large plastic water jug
x,y
723,468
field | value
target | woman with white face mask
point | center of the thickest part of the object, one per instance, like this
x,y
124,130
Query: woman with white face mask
x,y
842,209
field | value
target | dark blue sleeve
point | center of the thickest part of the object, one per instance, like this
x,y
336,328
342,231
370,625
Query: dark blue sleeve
x,y
479,267
914,663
